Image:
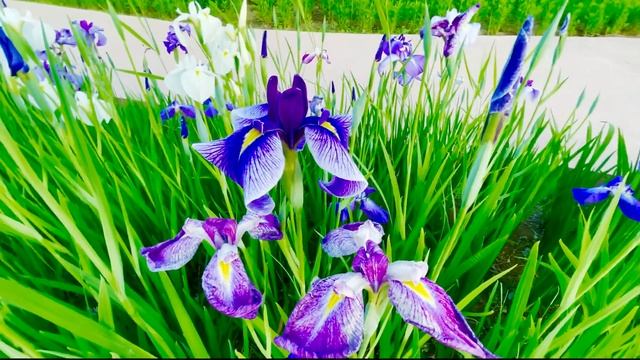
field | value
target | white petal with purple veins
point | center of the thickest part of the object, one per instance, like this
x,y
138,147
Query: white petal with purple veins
x,y
347,239
174,253
330,154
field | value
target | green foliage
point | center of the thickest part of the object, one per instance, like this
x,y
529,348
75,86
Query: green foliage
x,y
589,17
536,275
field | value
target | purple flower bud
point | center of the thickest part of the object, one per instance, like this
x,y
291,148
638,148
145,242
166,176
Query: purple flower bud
x,y
353,94
263,51
565,25
333,87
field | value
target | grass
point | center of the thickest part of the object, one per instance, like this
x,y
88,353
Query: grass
x,y
535,275
590,17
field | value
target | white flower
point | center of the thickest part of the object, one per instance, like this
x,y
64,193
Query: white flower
x,y
86,108
30,28
192,79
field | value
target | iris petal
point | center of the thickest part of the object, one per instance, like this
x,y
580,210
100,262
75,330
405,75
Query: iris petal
x,y
373,211
427,306
292,109
242,117
586,196
174,253
342,188
330,154
262,227
372,263
227,286
261,166
328,321
263,205
221,231
630,206
224,153
348,238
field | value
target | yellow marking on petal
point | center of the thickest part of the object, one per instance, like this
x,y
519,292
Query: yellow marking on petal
x,y
419,288
327,125
334,299
249,138
225,270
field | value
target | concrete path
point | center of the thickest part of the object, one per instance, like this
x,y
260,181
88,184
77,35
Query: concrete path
x,y
605,66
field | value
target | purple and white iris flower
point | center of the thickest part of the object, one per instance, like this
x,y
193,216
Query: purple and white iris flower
x,y
172,41
184,111
368,207
225,282
530,92
502,99
266,138
455,29
92,33
629,205
320,54
10,59
329,321
399,50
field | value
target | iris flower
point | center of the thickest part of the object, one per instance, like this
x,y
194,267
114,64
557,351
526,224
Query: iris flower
x,y
10,59
225,282
455,29
329,321
398,50
320,54
316,105
502,99
172,41
370,209
184,111
192,79
209,110
629,205
254,154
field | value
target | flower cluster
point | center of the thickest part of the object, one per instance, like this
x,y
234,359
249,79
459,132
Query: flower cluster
x,y
455,29
225,281
329,321
92,34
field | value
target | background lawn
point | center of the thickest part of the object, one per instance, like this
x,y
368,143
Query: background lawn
x,y
589,17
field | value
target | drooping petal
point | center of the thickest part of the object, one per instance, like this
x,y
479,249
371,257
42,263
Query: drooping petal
x,y
511,71
242,117
263,205
415,66
210,111
330,154
386,63
342,188
224,153
308,58
168,112
261,165
427,306
221,231
372,263
614,182
174,253
262,227
630,206
328,321
348,238
374,212
227,286
586,196
188,111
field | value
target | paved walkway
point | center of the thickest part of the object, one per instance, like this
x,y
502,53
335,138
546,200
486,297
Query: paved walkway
x,y
605,66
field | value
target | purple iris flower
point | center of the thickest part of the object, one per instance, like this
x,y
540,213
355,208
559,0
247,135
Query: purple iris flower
x,y
530,92
328,322
65,37
172,42
254,154
371,210
14,59
209,110
225,282
629,205
185,111
398,50
229,106
320,54
502,99
454,29
92,33
263,49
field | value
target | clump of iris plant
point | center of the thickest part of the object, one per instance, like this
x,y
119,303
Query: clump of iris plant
x,y
225,281
398,49
629,205
455,29
330,321
262,149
